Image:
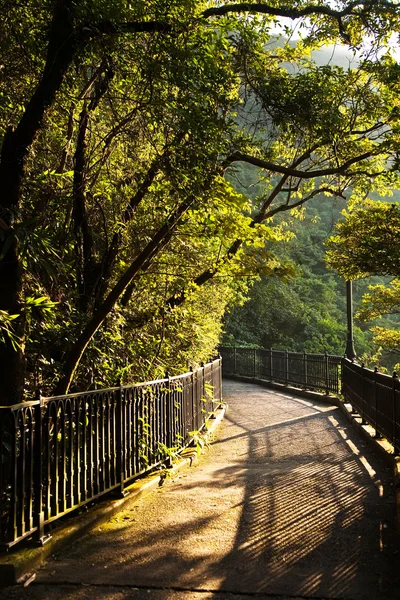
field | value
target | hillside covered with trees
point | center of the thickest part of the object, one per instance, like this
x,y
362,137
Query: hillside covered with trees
x,y
123,235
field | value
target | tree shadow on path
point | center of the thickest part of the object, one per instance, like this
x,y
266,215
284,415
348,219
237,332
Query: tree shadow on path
x,y
317,516
288,501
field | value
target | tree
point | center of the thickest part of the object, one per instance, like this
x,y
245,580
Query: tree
x,y
121,121
383,300
163,153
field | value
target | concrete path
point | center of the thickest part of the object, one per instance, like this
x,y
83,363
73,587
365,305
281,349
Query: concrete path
x,y
288,502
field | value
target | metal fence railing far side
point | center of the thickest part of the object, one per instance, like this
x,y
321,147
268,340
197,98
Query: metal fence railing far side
x,y
375,397
57,454
310,371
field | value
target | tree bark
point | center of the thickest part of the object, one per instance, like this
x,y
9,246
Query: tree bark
x,y
115,245
114,248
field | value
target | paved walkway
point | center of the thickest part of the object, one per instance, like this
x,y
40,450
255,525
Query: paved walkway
x,y
287,503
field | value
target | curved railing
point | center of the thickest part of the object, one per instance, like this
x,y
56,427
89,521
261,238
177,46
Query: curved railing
x,y
375,397
310,371
59,453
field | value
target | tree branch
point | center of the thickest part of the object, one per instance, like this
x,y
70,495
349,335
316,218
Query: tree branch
x,y
285,207
275,168
140,263
357,8
297,13
84,239
208,274
115,245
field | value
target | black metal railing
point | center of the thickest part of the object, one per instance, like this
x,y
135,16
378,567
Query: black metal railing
x,y
310,371
375,397
59,453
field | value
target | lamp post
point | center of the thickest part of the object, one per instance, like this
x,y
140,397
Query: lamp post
x,y
350,350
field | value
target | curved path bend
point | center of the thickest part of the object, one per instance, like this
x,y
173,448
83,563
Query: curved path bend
x,y
287,503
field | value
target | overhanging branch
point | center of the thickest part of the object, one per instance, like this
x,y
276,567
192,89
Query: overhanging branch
x,y
275,168
354,8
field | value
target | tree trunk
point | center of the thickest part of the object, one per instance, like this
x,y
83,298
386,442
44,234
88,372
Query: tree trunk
x,y
87,268
16,145
115,245
113,250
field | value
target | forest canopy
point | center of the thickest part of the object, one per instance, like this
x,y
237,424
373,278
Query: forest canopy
x,y
124,126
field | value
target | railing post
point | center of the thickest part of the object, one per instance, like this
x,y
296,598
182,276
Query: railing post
x,y
121,441
326,374
169,413
40,538
353,411
254,363
211,411
220,377
286,367
193,399
234,360
305,368
377,434
12,529
270,364
363,421
342,386
203,394
395,386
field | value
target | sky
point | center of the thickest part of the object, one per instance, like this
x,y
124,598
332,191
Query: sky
x,y
341,55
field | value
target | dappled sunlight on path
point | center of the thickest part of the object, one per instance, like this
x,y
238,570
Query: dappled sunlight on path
x,y
314,514
280,504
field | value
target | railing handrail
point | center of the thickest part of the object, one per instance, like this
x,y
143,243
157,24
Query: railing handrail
x,y
300,352
127,386
367,369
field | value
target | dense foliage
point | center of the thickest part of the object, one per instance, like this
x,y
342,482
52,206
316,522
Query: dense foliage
x,y
366,243
122,240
